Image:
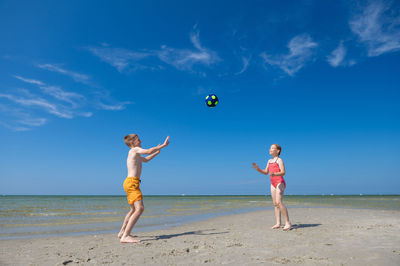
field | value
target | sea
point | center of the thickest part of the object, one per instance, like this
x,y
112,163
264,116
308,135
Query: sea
x,y
46,216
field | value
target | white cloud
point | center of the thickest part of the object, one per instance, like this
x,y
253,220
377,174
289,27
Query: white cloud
x,y
184,59
20,110
113,107
300,52
38,102
78,77
55,91
337,56
246,62
377,28
31,81
118,57
86,114
58,93
5,112
33,122
200,91
14,127
22,120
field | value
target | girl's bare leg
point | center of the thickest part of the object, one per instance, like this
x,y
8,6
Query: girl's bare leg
x,y
280,188
277,210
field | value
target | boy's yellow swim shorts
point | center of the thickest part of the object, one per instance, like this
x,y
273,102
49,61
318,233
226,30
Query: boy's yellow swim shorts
x,y
131,187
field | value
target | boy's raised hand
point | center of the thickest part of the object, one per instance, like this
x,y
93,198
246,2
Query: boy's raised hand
x,y
166,142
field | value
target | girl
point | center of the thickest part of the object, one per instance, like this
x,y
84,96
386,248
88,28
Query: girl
x,y
276,170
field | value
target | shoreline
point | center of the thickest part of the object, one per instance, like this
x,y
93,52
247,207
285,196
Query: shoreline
x,y
329,236
186,221
146,228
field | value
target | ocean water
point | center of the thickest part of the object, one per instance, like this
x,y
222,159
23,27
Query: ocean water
x,y
42,216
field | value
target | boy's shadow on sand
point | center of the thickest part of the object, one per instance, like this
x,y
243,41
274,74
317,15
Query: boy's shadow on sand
x,y
199,232
203,232
298,226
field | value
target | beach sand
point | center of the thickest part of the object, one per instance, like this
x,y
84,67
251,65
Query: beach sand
x,y
321,236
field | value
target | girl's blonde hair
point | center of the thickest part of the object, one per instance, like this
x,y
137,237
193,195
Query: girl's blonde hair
x,y
278,147
129,138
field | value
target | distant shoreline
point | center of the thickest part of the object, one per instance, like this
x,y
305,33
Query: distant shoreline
x,y
199,195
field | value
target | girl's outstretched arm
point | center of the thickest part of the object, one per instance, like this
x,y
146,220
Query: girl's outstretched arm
x,y
265,172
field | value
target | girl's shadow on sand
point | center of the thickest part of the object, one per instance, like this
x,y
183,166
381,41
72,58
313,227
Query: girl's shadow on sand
x,y
199,232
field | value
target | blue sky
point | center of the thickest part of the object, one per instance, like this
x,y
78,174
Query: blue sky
x,y
321,78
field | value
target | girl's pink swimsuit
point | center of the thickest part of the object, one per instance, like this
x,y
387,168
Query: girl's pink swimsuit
x,y
275,180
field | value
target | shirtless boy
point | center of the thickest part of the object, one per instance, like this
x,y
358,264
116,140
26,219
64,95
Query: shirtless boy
x,y
131,183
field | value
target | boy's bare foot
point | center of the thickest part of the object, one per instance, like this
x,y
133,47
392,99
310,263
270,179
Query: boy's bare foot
x,y
276,226
129,239
120,234
287,227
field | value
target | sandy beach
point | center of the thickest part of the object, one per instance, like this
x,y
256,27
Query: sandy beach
x,y
320,236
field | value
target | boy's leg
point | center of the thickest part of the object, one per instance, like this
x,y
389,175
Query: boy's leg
x,y
277,210
280,189
126,237
128,215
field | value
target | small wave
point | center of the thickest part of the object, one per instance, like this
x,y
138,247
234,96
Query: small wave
x,y
45,214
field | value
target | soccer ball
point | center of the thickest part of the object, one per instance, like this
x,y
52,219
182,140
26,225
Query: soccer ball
x,y
212,100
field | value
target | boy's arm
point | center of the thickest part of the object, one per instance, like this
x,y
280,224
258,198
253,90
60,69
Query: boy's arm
x,y
148,158
147,151
154,149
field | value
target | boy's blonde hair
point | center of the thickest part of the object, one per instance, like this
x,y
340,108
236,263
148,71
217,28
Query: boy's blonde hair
x,y
278,147
129,138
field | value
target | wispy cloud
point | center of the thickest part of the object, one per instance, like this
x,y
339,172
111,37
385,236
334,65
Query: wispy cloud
x,y
337,56
39,103
119,58
14,127
78,77
246,62
182,59
20,118
31,81
377,26
33,122
23,109
114,107
70,97
300,52
185,59
55,91
200,91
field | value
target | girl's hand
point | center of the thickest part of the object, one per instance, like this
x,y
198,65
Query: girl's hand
x,y
272,174
255,166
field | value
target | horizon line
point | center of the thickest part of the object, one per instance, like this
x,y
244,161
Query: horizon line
x,y
197,195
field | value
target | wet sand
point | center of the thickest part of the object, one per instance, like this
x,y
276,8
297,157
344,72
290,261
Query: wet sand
x,y
320,236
